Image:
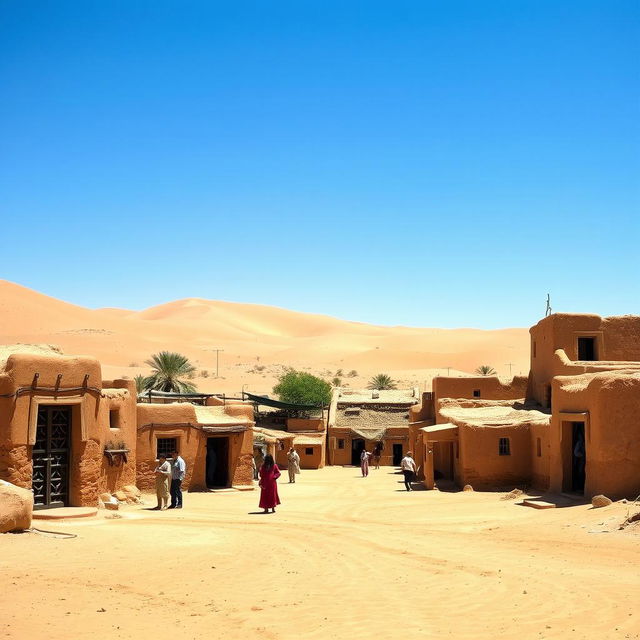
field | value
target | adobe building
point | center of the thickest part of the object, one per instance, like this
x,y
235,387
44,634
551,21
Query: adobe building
x,y
573,427
310,440
570,344
307,435
360,419
216,442
304,424
64,432
489,444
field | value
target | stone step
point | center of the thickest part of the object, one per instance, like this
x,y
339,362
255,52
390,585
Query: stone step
x,y
64,513
538,504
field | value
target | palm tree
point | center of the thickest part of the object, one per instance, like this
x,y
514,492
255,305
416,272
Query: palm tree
x,y
167,372
381,381
142,383
486,370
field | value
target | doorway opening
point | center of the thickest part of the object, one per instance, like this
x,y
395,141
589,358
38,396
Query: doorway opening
x,y
443,460
217,470
574,457
357,445
397,455
51,455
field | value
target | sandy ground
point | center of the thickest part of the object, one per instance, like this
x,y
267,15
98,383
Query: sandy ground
x,y
343,557
257,342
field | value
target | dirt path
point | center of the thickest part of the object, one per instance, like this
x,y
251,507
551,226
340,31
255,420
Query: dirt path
x,y
344,557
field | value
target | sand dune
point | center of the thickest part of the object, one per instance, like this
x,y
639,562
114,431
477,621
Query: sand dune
x,y
257,340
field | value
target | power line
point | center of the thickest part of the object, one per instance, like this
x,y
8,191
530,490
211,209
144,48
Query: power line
x,y
217,358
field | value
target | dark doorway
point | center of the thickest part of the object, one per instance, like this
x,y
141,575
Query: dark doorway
x,y
587,349
548,396
578,457
357,445
397,455
51,453
443,460
217,471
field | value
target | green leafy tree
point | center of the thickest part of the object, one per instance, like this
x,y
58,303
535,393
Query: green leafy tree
x,y
336,382
381,381
298,387
168,371
486,370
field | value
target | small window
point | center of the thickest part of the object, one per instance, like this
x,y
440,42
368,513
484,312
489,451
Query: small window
x,y
352,412
539,447
504,447
114,419
308,451
340,443
587,349
166,446
476,393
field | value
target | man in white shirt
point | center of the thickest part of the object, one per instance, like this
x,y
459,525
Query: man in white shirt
x,y
293,466
408,467
178,470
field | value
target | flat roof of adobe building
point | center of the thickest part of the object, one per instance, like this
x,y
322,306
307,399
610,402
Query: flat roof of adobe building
x,y
582,381
385,396
7,350
591,316
493,413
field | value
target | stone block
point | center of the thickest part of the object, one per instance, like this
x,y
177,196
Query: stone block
x,y
16,507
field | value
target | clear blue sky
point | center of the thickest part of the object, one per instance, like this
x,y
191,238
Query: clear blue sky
x,y
420,163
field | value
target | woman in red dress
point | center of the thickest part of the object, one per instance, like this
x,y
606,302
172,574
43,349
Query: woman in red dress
x,y
269,473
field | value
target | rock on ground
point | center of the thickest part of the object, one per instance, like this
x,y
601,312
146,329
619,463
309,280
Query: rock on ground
x,y
600,501
16,507
467,487
132,490
512,495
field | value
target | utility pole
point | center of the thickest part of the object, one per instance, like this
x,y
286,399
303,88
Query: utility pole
x,y
217,359
509,364
448,369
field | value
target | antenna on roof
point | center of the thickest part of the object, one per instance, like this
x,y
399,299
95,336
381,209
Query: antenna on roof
x,y
548,309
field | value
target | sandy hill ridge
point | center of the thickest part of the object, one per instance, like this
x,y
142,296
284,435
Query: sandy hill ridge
x,y
258,341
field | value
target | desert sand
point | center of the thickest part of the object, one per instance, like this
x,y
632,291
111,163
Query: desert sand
x,y
343,557
257,342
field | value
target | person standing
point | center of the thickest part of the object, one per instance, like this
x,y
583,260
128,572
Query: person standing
x,y
408,467
178,471
163,474
364,462
258,458
269,473
377,454
294,464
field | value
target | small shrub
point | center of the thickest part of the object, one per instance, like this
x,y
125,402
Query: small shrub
x,y
353,373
